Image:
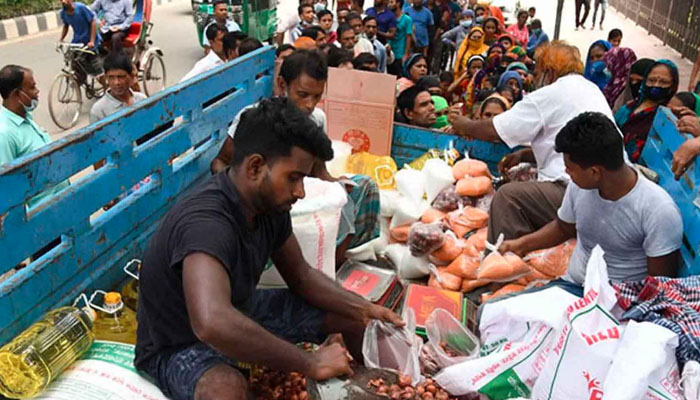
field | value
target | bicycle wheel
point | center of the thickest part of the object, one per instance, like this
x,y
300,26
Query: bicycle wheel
x,y
65,101
153,75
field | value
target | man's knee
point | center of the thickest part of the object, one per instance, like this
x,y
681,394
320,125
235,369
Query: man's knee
x,y
221,382
508,194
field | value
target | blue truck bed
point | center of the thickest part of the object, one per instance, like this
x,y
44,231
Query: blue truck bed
x,y
89,246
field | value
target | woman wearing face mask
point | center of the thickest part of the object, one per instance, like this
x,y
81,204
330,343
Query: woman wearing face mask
x,y
619,61
634,83
596,70
472,45
492,30
414,68
456,35
636,117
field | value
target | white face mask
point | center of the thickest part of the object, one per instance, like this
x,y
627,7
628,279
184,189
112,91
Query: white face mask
x,y
33,103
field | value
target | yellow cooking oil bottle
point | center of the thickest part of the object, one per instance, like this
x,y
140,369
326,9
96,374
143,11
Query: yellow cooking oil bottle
x,y
114,321
381,169
130,291
39,354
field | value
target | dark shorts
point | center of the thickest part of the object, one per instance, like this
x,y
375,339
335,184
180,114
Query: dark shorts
x,y
277,310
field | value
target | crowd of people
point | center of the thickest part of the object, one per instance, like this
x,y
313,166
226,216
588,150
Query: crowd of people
x,y
583,122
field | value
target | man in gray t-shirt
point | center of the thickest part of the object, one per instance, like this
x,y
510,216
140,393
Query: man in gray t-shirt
x,y
609,204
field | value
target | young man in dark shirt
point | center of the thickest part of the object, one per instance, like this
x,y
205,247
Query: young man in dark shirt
x,y
199,310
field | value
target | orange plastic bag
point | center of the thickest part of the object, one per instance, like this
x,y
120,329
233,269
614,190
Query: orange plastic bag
x,y
470,167
400,233
451,249
467,219
497,267
478,240
431,215
554,261
474,187
507,289
471,284
464,266
534,276
440,279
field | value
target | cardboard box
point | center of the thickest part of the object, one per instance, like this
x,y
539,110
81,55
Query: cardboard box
x,y
359,107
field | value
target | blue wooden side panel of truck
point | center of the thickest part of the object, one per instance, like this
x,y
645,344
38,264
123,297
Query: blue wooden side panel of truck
x,y
663,140
92,250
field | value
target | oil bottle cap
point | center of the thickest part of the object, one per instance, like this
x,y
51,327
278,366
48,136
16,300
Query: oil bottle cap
x,y
90,313
112,299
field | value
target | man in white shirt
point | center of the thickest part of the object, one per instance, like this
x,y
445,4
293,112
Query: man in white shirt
x,y
221,18
217,56
362,44
288,18
519,208
608,203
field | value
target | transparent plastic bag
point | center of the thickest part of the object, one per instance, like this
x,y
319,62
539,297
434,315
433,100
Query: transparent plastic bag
x,y
451,248
387,346
441,279
410,183
449,341
467,219
497,267
552,262
448,200
423,238
437,175
523,172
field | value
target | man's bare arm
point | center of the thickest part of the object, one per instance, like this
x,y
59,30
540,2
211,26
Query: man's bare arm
x,y
217,323
320,291
481,129
550,235
665,265
64,32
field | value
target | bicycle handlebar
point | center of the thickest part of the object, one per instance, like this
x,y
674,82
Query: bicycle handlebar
x,y
73,46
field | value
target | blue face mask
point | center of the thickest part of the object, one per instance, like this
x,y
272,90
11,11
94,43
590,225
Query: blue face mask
x,y
537,32
479,20
33,103
466,23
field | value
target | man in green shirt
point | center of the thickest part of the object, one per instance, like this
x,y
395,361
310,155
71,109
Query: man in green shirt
x,y
401,43
19,134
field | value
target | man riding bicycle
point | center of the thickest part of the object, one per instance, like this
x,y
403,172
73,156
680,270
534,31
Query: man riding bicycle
x,y
117,16
84,23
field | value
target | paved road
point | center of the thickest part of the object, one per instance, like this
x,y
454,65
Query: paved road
x,y
173,32
634,36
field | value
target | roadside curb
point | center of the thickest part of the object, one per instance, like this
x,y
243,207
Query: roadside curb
x,y
32,24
